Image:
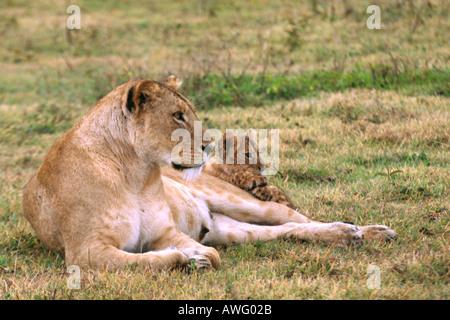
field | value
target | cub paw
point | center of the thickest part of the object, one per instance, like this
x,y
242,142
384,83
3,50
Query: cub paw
x,y
262,193
272,193
254,181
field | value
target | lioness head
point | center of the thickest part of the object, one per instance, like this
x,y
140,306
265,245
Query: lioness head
x,y
154,110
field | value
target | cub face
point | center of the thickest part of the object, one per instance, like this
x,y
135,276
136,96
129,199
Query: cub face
x,y
155,111
240,153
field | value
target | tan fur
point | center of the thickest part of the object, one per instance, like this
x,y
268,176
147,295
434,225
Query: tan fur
x,y
101,198
247,175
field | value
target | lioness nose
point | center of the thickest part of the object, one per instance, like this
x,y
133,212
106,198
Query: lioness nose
x,y
208,148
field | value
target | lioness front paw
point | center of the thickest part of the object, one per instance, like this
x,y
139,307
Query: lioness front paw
x,y
341,234
337,233
378,233
200,263
202,258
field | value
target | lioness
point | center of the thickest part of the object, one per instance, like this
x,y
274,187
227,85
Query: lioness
x,y
101,198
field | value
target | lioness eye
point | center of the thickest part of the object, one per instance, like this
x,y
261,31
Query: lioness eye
x,y
178,116
248,155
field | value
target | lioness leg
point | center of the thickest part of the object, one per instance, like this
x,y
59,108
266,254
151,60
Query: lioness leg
x,y
225,198
274,214
99,256
172,249
203,257
233,202
226,231
236,203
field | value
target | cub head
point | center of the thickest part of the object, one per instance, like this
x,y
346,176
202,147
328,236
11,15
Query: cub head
x,y
154,111
240,152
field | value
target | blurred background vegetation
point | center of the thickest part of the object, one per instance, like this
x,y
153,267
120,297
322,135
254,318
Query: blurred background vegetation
x,y
227,52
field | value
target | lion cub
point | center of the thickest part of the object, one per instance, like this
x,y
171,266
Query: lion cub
x,y
246,176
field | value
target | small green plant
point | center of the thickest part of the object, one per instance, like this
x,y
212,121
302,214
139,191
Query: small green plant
x,y
294,31
245,89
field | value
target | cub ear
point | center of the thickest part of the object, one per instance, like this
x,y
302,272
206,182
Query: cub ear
x,y
146,91
229,143
173,82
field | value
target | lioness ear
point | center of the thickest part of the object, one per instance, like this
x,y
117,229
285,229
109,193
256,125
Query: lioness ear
x,y
146,91
173,82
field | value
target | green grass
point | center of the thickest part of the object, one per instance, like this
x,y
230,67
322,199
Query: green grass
x,y
363,118
218,90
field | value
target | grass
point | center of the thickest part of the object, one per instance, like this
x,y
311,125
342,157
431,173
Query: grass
x,y
363,118
261,89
